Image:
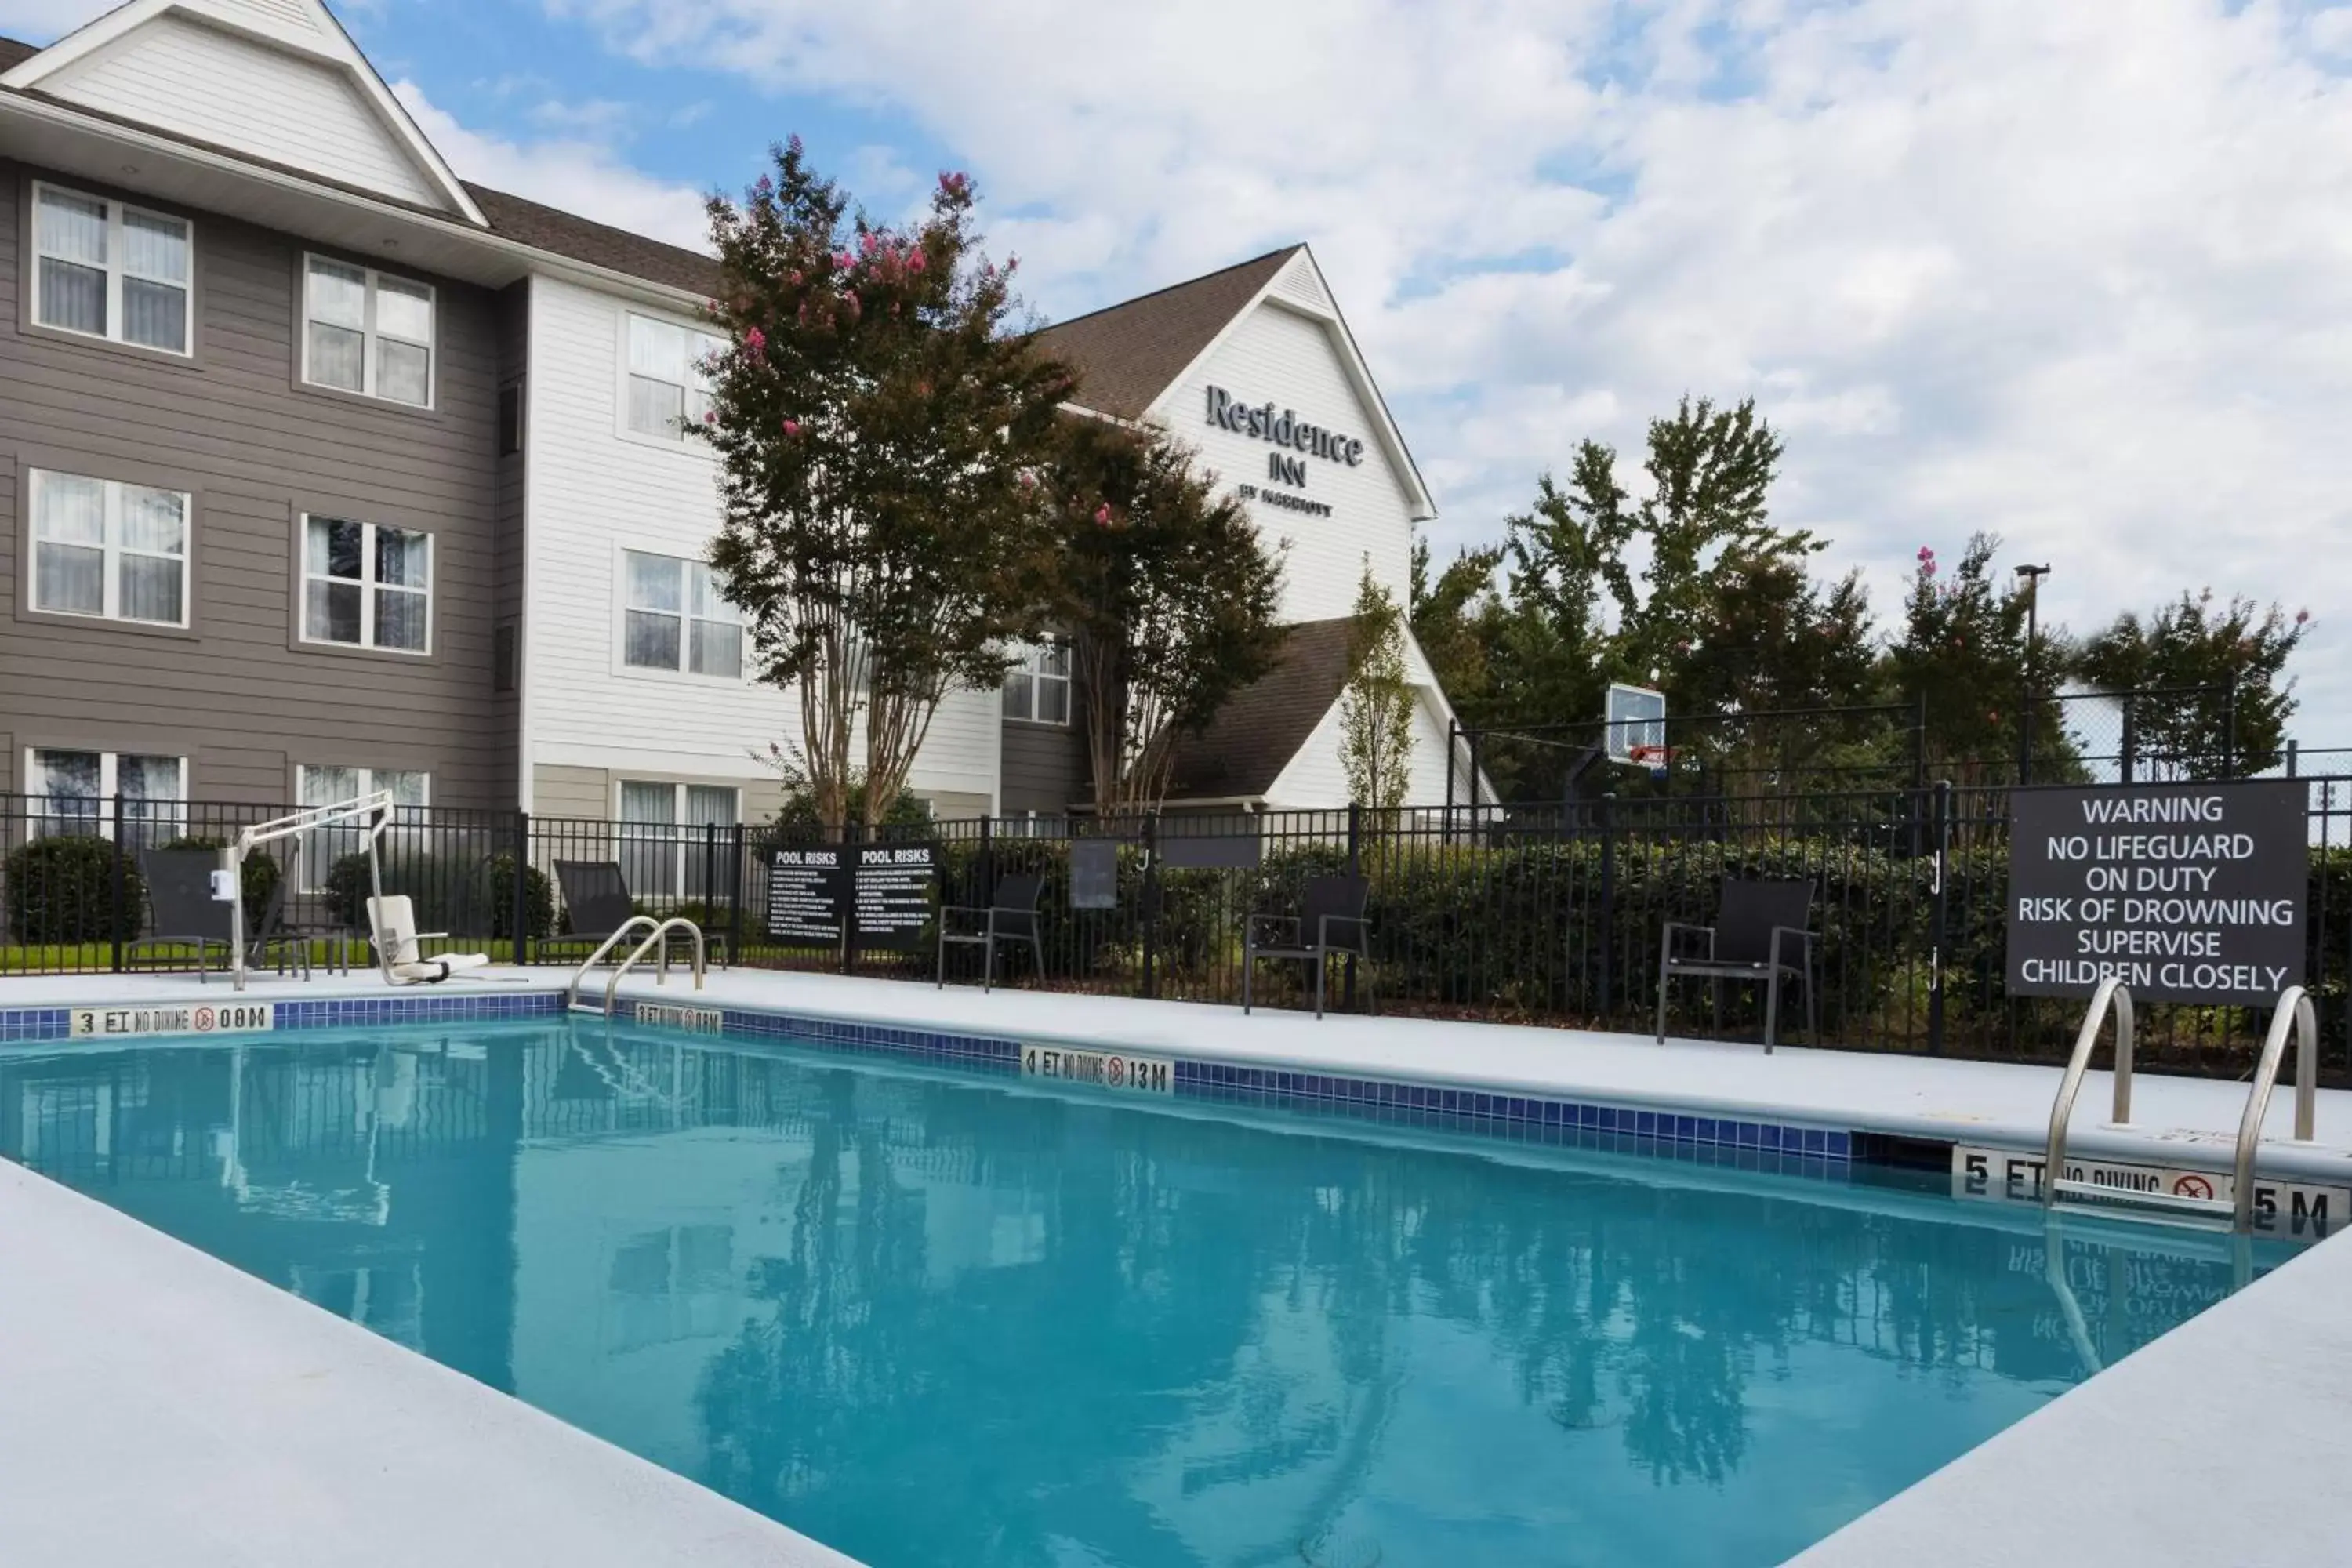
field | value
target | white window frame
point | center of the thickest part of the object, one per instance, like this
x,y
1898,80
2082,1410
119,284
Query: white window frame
x,y
108,785
368,585
111,551
369,336
1031,666
629,851
676,440
116,268
686,619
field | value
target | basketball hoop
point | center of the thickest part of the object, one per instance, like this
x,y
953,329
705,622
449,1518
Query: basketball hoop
x,y
1659,759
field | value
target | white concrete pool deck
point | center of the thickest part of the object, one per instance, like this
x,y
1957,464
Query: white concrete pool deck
x,y
163,1407
2175,1120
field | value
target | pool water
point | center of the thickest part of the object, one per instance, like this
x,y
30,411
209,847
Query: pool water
x,y
941,1319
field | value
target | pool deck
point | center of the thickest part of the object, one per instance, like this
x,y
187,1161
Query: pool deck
x,y
2214,1444
166,1407
217,1419
2176,1122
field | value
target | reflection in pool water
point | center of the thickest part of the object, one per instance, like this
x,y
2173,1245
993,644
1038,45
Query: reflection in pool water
x,y
934,1320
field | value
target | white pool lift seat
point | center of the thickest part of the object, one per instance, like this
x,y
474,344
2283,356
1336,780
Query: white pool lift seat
x,y
398,949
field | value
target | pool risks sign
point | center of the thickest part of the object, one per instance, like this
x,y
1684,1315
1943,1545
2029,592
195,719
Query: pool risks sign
x,y
2189,892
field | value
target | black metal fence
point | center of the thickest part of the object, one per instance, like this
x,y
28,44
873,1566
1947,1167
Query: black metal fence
x,y
1548,915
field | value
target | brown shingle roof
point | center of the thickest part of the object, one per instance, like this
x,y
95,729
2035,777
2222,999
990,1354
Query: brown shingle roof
x,y
1125,355
14,54
1261,727
600,245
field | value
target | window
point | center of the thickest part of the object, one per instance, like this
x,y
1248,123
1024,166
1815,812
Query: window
x,y
366,585
75,792
116,551
1038,688
669,389
665,849
675,618
322,847
367,331
110,271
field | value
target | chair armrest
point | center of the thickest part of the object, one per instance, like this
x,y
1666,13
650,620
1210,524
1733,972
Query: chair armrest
x,y
1804,938
1323,934
1708,931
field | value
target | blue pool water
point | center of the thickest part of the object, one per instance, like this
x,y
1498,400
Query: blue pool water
x,y
934,1319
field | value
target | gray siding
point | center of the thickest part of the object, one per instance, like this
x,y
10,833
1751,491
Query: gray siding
x,y
233,692
1045,767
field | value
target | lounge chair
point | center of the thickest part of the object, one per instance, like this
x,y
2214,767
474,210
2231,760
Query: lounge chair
x,y
184,913
398,954
1009,916
1329,922
1762,932
596,899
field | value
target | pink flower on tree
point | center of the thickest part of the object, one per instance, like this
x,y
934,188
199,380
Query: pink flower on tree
x,y
755,344
791,426
1028,480
711,416
1102,515
954,184
2303,617
914,260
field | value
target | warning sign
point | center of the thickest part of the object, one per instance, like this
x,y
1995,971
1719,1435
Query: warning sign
x,y
2292,1211
193,1018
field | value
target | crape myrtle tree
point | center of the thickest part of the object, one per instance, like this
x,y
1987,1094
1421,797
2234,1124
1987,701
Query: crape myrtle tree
x,y
1961,652
875,419
2210,656
1168,596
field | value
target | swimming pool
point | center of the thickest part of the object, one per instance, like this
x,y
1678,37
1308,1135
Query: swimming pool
x,y
937,1317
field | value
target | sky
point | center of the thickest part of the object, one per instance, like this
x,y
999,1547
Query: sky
x,y
2079,274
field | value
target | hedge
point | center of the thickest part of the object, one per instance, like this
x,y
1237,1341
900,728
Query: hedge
x,y
62,889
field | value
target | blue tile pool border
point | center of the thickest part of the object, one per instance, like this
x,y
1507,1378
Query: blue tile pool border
x,y
1821,1152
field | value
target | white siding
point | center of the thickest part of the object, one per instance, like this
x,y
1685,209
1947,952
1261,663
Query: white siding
x,y
596,492
1278,355
181,76
1316,778
1299,283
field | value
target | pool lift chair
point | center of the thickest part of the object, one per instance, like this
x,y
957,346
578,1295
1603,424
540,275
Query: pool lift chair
x,y
392,920
2293,1016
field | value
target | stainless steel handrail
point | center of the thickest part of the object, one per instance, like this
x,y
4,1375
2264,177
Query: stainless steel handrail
x,y
661,973
2114,993
571,992
2295,1013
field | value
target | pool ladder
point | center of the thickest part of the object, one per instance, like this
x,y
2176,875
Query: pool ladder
x,y
657,933
2235,1213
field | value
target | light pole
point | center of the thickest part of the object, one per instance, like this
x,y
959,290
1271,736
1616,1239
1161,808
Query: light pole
x,y
2033,575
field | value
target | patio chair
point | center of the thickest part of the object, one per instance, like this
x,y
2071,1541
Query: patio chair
x,y
1329,922
1762,932
596,898
1009,916
184,913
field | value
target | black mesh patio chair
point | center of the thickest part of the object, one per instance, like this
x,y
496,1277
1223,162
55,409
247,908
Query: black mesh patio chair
x,y
184,913
1762,932
1009,916
596,898
1330,923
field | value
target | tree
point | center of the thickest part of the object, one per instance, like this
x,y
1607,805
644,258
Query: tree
x,y
1376,706
2221,666
1450,615
1168,596
874,418
1962,653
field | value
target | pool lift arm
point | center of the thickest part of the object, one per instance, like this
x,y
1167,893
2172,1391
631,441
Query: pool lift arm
x,y
371,812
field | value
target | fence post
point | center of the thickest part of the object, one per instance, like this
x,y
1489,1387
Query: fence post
x,y
115,895
709,869
1355,869
2293,748
1453,728
2026,733
1151,904
735,899
521,931
1920,740
1476,806
849,838
2130,761
2229,730
1608,893
1938,917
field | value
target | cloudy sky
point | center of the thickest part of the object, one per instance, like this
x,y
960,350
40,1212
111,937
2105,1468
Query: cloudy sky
x,y
2076,272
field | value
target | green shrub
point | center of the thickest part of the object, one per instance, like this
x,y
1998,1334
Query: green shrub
x,y
457,893
62,889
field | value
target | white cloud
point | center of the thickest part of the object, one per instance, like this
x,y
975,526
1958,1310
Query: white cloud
x,y
2079,274
582,177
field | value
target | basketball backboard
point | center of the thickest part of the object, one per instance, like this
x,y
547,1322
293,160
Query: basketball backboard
x,y
1636,717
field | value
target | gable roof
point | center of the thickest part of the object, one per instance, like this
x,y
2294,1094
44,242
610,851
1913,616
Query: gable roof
x,y
1261,727
1126,355
321,106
